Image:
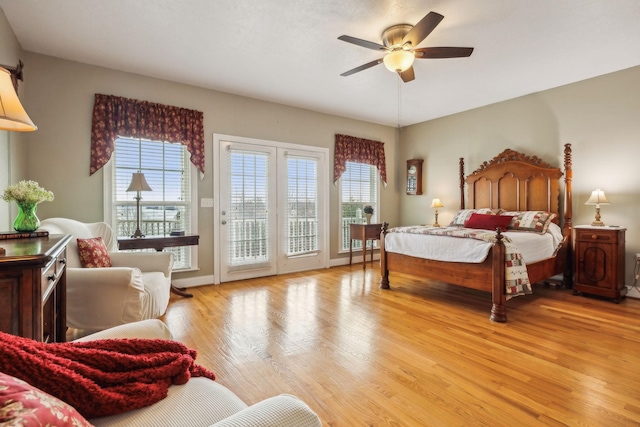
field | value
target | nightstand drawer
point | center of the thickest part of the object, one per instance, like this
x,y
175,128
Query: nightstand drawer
x,y
596,236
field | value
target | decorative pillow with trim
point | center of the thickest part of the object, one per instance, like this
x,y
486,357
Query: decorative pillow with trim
x,y
536,221
24,405
463,215
93,253
488,222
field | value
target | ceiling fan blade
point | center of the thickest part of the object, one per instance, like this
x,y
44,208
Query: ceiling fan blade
x,y
363,43
407,75
443,52
422,29
362,67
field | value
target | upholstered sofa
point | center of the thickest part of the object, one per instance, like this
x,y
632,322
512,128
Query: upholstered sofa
x,y
199,402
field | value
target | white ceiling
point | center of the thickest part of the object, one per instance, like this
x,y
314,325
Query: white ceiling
x,y
287,51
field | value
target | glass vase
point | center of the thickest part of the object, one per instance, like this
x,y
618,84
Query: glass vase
x,y
27,219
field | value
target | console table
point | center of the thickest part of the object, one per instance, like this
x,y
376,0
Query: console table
x,y
33,287
159,243
363,232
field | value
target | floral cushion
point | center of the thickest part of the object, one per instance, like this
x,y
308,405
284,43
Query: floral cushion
x,y
93,253
537,221
463,215
24,405
488,222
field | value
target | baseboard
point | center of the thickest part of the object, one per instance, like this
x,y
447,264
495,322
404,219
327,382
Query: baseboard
x,y
357,259
192,282
633,292
209,280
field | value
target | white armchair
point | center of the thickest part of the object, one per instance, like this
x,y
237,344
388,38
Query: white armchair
x,y
136,287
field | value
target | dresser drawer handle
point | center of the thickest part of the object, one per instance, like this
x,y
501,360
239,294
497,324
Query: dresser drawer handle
x,y
594,236
52,278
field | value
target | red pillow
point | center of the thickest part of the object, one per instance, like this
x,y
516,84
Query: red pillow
x,y
25,405
93,253
488,222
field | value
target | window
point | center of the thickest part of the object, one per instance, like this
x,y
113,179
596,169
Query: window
x,y
170,207
358,187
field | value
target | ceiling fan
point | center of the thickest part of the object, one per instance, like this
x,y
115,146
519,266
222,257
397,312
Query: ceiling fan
x,y
400,42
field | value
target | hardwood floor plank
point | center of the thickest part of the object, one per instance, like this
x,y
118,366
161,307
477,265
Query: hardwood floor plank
x,y
420,354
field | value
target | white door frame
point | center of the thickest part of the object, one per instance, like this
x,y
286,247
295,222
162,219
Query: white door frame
x,y
323,186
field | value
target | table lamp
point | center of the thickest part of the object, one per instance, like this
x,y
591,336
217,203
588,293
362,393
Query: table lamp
x,y
597,198
436,203
138,184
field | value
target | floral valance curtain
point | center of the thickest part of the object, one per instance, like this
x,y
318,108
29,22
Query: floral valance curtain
x,y
115,116
352,149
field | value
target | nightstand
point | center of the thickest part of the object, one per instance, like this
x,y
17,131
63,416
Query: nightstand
x,y
599,261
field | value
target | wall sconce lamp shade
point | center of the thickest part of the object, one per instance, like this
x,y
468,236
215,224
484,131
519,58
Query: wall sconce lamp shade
x,y
399,60
13,117
597,198
138,184
436,203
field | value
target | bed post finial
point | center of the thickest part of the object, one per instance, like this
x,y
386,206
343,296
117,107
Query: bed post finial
x,y
567,227
461,183
568,177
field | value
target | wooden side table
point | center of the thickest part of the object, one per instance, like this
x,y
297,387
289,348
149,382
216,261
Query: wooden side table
x,y
159,243
363,232
33,287
599,261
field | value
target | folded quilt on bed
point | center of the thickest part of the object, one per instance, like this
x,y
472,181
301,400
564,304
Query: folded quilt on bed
x,y
102,377
516,276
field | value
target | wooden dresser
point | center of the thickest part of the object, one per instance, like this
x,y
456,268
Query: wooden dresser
x,y
33,287
599,261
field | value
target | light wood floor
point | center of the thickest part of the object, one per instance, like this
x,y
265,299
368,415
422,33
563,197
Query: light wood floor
x,y
417,355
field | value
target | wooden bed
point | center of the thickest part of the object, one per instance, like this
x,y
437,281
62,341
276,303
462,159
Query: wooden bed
x,y
514,182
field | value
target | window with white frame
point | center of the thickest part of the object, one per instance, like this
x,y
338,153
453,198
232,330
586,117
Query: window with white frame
x,y
169,207
358,188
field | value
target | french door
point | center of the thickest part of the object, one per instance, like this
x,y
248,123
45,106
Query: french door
x,y
271,216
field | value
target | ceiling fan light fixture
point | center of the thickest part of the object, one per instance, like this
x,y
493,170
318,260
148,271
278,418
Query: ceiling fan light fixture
x,y
399,60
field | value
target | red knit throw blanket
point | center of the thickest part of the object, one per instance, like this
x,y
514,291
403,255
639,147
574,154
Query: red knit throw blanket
x,y
102,377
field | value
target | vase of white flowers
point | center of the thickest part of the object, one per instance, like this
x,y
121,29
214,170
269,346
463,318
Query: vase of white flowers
x,y
27,195
368,211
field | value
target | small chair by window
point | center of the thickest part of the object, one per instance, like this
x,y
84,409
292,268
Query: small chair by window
x,y
135,287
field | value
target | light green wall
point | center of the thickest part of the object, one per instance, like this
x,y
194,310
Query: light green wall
x,y
60,99
600,117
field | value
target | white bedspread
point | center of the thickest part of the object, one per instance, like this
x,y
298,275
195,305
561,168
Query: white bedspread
x,y
534,247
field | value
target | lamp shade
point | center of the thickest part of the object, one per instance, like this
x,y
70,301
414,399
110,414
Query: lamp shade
x,y
138,183
597,198
12,114
398,60
436,203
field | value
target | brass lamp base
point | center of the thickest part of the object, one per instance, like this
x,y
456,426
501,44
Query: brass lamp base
x,y
597,221
435,224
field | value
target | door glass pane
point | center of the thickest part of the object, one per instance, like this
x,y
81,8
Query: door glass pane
x,y
302,205
249,210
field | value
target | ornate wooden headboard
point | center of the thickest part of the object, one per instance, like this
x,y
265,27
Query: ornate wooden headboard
x,y
516,182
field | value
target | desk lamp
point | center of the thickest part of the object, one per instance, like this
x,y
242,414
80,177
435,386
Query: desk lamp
x,y
138,184
597,198
436,203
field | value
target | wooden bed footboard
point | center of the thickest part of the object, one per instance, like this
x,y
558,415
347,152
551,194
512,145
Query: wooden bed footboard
x,y
488,276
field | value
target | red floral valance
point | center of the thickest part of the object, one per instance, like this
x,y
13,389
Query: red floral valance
x,y
352,149
115,116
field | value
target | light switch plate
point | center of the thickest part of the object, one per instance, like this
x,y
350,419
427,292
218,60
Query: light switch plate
x,y
206,202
